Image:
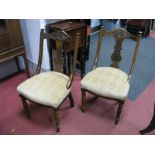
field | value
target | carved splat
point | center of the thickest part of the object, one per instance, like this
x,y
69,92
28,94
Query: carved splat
x,y
116,56
119,35
58,57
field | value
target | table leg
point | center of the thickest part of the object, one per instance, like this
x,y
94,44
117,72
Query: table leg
x,y
151,125
83,53
26,65
69,63
17,63
51,59
65,64
82,63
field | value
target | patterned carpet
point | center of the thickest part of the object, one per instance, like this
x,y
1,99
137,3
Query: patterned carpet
x,y
144,71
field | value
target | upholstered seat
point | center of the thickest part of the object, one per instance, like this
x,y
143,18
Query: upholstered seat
x,y
47,88
107,81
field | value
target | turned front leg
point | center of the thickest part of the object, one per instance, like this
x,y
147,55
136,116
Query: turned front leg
x,y
119,111
83,99
26,108
71,100
57,119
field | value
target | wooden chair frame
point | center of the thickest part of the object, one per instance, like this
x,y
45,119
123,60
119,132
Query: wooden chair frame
x,y
119,35
59,37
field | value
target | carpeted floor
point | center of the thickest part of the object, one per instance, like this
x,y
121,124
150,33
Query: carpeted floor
x,y
98,118
144,71
152,34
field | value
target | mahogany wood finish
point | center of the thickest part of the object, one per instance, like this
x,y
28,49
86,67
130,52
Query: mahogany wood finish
x,y
59,37
119,36
71,100
57,119
119,111
25,106
83,100
11,42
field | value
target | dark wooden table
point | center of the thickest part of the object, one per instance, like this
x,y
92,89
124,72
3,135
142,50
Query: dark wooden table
x,y
71,28
151,126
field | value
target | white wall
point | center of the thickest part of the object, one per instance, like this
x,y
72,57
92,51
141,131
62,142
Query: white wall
x,y
95,22
31,32
46,63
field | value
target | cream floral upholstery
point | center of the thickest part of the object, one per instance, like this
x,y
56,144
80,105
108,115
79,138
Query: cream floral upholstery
x,y
107,82
47,88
